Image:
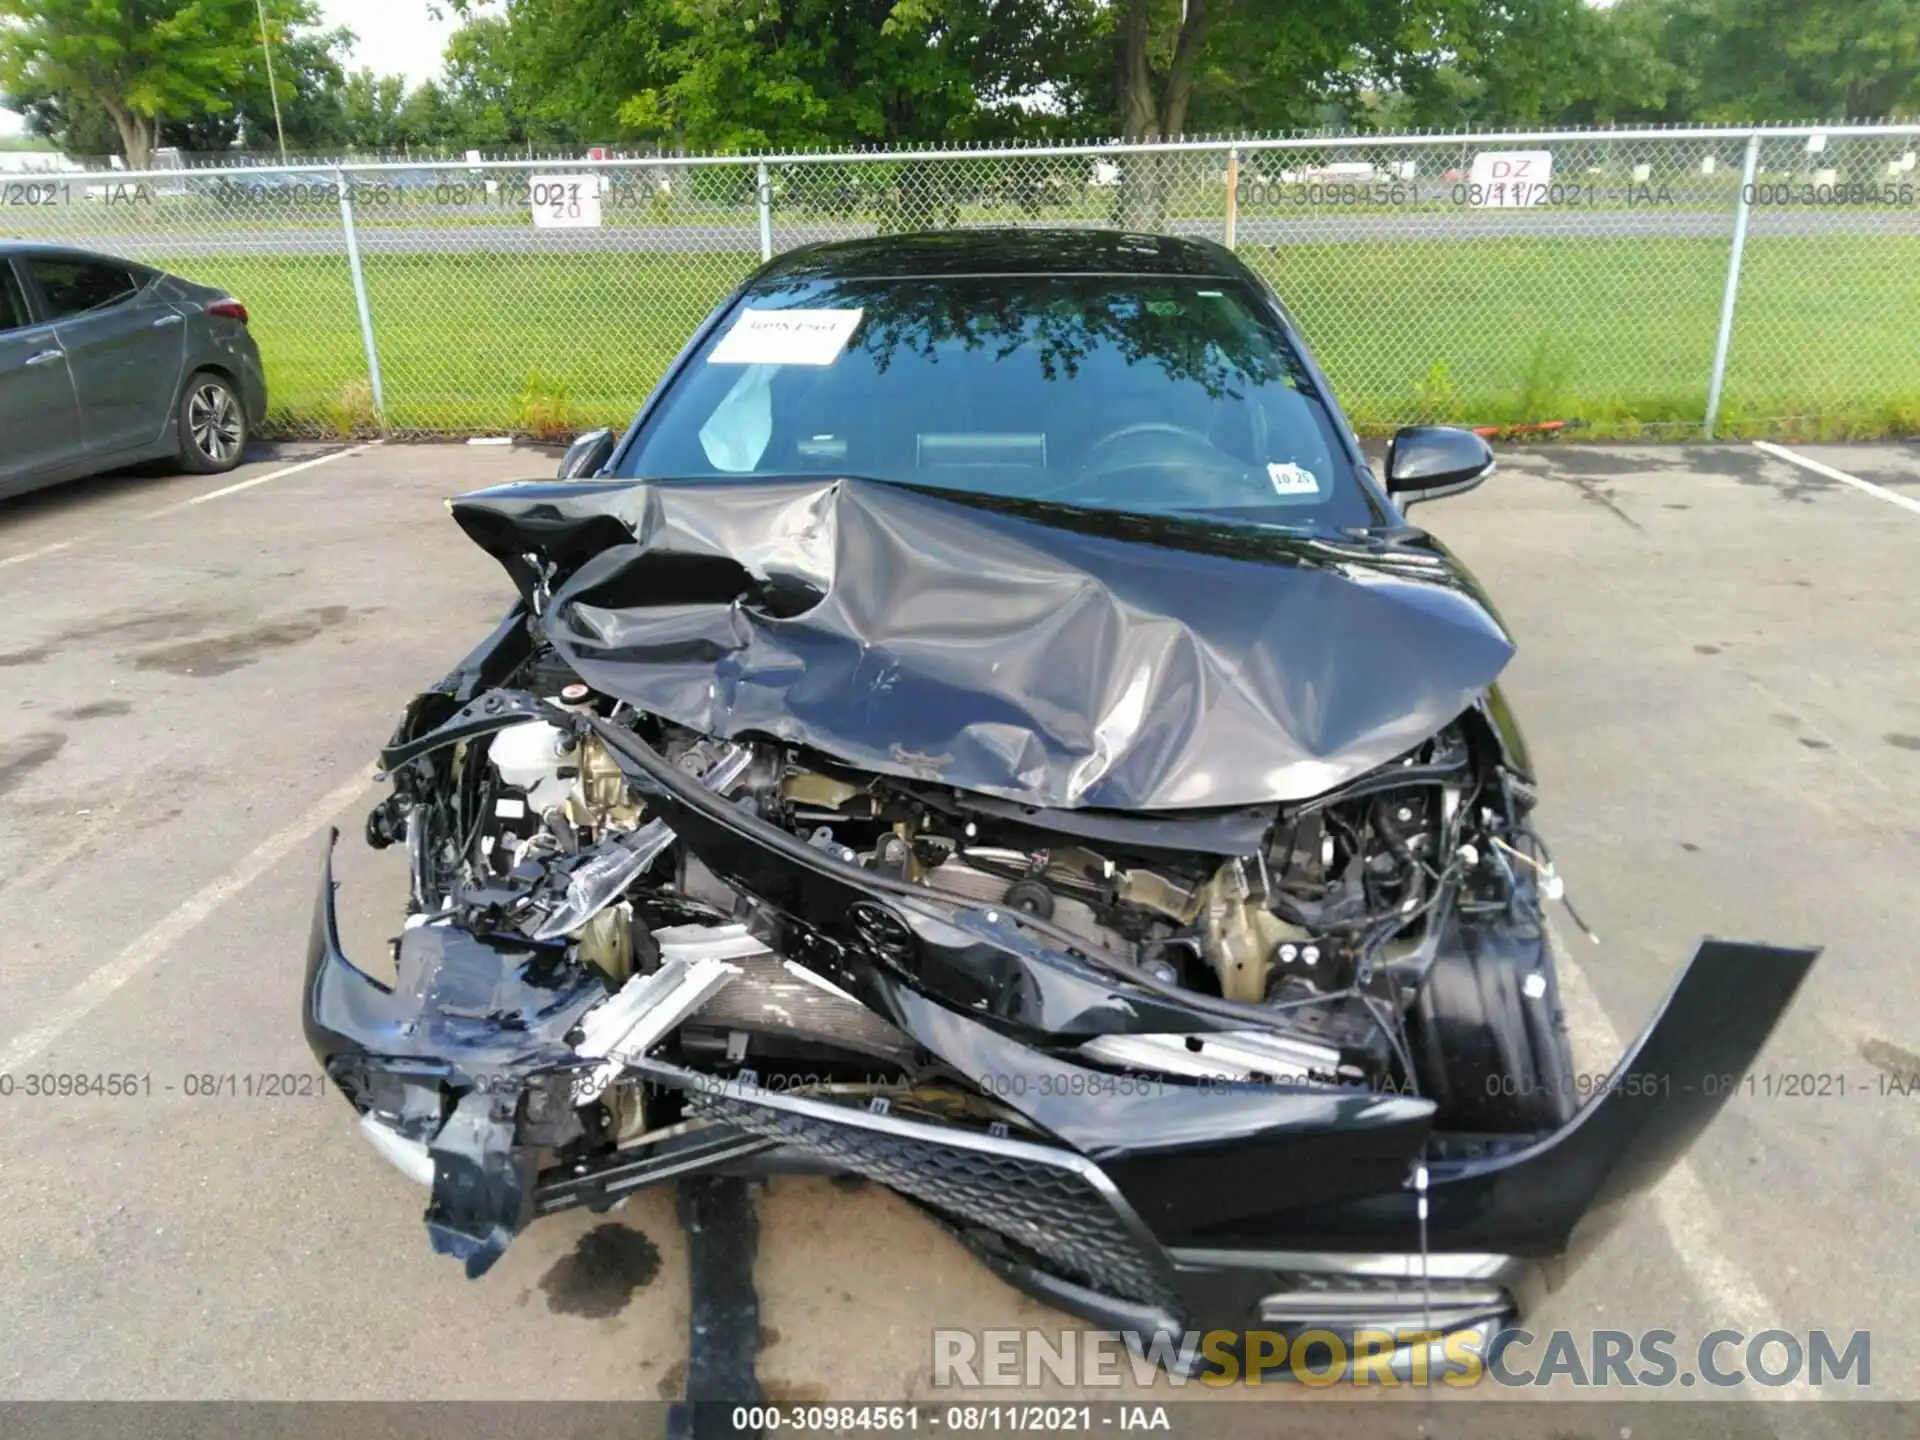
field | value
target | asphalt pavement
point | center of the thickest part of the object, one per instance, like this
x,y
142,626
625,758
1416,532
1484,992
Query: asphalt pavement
x,y
1716,673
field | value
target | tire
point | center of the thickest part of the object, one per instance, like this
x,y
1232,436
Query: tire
x,y
212,425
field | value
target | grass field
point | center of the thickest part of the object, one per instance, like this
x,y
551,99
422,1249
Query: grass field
x,y
1615,333
534,344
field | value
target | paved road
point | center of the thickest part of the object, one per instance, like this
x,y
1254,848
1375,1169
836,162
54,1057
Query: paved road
x,y
1715,671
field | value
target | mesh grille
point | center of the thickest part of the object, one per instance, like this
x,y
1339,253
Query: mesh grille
x,y
1049,1210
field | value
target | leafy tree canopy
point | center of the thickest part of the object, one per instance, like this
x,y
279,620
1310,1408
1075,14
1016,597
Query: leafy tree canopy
x,y
128,75
739,75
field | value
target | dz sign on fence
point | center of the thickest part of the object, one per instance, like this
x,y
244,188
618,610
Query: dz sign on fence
x,y
1510,177
565,202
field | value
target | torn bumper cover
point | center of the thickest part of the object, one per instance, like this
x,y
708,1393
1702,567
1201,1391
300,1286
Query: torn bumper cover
x,y
434,1062
1155,1210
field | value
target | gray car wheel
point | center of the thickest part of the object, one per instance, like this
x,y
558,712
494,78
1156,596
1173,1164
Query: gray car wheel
x,y
213,425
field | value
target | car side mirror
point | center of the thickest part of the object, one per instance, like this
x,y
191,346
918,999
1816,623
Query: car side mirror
x,y
1426,462
586,455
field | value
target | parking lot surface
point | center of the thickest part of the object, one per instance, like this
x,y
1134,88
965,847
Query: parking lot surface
x,y
1716,673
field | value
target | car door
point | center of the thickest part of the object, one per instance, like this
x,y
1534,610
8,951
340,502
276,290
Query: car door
x,y
124,345
39,412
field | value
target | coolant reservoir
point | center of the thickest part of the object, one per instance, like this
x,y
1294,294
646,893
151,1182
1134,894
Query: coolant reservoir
x,y
529,756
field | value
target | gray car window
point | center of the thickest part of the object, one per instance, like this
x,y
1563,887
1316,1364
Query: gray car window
x,y
74,287
1145,394
13,304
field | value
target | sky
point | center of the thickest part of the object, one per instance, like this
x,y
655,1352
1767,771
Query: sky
x,y
394,37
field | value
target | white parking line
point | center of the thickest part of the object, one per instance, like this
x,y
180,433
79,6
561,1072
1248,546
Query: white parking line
x,y
1694,1224
44,550
54,549
92,992
1879,492
235,489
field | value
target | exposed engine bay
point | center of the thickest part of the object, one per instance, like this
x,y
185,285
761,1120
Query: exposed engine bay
x,y
1327,925
1190,966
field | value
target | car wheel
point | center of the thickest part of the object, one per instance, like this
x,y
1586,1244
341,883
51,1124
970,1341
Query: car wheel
x,y
213,425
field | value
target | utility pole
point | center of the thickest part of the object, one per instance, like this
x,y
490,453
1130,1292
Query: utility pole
x,y
279,133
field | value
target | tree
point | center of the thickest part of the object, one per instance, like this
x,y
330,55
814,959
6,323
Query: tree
x,y
1284,64
740,75
574,61
426,120
721,75
1526,62
307,77
134,74
143,61
1851,58
75,125
486,98
1739,60
1158,56
370,108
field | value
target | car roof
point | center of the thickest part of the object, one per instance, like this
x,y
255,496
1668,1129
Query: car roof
x,y
54,247
954,253
11,246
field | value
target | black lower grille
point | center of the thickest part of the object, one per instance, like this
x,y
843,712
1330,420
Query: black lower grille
x,y
1052,1210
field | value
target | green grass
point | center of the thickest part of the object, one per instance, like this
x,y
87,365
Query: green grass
x,y
469,344
1616,334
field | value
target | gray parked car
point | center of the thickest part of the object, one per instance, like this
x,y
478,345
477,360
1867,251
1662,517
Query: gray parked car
x,y
105,362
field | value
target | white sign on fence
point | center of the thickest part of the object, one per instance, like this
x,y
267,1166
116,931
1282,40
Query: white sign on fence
x,y
565,202
1510,177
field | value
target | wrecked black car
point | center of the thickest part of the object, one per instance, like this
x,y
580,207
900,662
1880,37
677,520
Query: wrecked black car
x,y
986,728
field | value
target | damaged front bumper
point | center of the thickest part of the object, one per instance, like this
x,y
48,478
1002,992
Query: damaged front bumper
x,y
1148,1207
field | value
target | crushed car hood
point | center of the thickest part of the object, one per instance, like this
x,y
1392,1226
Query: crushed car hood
x,y
1051,655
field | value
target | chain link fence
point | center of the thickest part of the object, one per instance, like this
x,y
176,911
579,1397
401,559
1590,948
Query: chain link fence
x,y
1660,283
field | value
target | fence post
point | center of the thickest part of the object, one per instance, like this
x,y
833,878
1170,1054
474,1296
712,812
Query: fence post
x,y
1743,206
765,192
360,300
1233,194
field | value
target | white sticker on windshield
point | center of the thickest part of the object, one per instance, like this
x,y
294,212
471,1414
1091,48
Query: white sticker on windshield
x,y
786,337
1290,479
